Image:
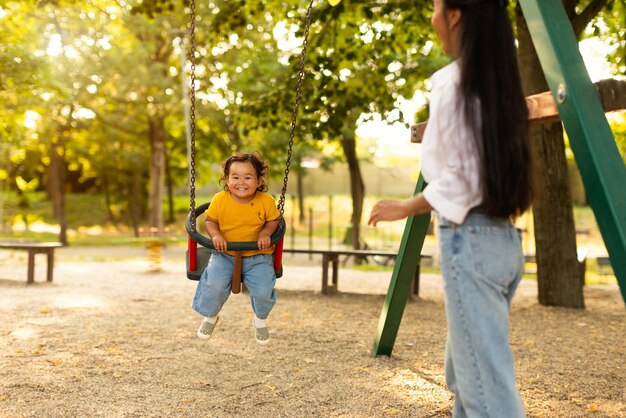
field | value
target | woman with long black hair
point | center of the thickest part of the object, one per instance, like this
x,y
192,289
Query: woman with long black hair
x,y
476,161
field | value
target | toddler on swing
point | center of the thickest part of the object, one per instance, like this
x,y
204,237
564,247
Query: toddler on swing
x,y
242,212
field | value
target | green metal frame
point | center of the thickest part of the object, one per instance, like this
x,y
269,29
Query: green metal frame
x,y
601,167
597,156
401,279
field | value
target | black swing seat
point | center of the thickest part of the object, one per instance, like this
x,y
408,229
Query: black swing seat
x,y
203,255
204,252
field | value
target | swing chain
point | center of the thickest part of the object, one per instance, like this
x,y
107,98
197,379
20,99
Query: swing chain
x,y
294,116
192,170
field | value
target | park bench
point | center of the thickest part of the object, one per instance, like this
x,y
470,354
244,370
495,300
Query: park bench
x,y
331,257
604,265
531,258
35,248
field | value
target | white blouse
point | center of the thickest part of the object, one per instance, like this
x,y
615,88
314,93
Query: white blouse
x,y
450,161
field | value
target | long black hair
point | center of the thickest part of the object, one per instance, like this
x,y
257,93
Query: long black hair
x,y
494,104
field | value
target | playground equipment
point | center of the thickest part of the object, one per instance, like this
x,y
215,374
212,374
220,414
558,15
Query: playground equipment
x,y
155,242
592,142
198,260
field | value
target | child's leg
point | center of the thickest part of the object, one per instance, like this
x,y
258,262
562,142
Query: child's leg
x,y
214,285
260,278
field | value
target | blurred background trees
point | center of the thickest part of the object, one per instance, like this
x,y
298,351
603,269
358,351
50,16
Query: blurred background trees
x,y
92,99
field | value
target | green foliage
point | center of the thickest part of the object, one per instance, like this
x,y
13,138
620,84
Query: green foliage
x,y
83,209
89,81
610,26
151,8
361,58
618,127
422,114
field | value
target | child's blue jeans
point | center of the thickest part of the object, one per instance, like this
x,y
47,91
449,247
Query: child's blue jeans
x,y
215,284
482,264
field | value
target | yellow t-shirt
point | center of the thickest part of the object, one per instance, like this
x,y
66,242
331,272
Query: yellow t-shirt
x,y
242,222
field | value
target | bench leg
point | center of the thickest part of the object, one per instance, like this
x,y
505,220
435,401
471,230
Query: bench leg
x,y
50,254
335,260
416,281
325,260
31,267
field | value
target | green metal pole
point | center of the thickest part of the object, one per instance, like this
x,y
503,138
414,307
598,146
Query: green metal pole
x,y
601,167
400,285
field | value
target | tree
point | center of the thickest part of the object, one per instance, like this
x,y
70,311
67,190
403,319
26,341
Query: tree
x,y
18,68
57,104
559,277
361,59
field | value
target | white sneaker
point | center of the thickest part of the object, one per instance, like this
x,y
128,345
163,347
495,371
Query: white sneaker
x,y
206,329
261,335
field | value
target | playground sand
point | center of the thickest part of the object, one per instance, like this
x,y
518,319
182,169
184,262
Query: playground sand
x,y
111,338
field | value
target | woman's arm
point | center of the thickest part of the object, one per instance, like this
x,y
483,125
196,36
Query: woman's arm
x,y
392,210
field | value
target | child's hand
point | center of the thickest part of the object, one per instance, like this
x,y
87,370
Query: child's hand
x,y
264,241
219,243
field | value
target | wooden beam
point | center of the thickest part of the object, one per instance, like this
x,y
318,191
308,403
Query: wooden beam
x,y
542,107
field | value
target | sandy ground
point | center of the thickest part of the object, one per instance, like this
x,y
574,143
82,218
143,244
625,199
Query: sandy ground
x,y
110,338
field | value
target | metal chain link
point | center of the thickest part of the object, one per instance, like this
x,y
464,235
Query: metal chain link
x,y
192,171
294,116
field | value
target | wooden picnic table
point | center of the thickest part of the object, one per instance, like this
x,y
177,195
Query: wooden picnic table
x,y
35,248
330,258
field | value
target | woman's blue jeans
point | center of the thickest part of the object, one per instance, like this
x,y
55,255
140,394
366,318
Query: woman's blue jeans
x,y
215,284
482,264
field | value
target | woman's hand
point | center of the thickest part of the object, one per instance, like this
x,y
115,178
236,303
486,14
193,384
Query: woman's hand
x,y
392,210
388,210
219,243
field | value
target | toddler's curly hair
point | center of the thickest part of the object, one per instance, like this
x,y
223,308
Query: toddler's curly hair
x,y
259,163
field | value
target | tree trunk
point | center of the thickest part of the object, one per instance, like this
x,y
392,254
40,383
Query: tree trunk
x,y
170,188
56,181
107,199
135,199
357,189
157,170
559,277
300,185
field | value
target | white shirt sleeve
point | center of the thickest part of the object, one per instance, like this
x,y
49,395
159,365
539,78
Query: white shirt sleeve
x,y
450,161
